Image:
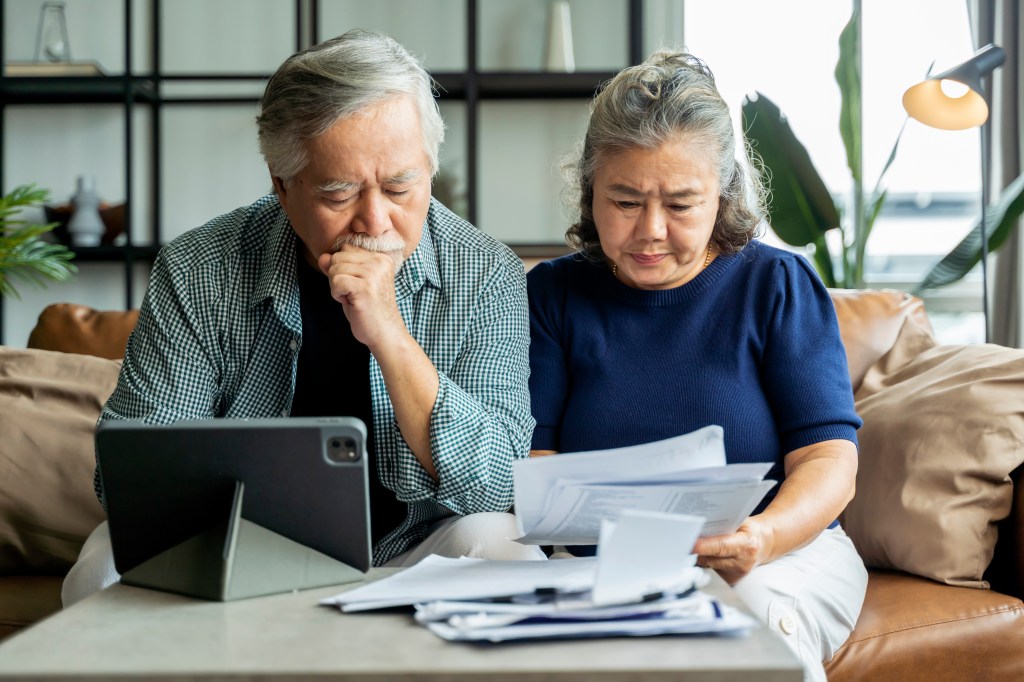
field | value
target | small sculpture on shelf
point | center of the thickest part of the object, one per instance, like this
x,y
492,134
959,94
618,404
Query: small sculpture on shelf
x,y
85,220
86,226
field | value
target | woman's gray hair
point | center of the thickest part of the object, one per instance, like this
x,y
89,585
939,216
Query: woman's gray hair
x,y
315,88
644,106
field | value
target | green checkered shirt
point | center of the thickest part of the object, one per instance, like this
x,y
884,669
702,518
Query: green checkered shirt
x,y
220,329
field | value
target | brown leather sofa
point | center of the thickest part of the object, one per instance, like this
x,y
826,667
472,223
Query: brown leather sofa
x,y
911,628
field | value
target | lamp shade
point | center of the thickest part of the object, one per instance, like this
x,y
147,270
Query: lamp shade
x,y
929,104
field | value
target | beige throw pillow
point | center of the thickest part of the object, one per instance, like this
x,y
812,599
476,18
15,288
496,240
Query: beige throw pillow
x,y
943,430
49,403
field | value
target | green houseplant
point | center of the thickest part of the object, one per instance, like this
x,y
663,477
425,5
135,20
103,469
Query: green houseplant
x,y
803,211
25,257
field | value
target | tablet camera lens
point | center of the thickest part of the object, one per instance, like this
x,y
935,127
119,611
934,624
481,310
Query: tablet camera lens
x,y
342,450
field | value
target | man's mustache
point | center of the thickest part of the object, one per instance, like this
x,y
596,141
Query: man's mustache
x,y
368,243
392,246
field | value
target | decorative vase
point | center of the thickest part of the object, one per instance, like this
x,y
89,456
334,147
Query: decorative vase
x,y
86,227
52,43
558,54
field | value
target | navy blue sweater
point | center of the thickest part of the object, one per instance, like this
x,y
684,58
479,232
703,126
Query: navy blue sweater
x,y
751,344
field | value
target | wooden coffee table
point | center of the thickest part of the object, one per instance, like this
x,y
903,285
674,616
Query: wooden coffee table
x,y
131,633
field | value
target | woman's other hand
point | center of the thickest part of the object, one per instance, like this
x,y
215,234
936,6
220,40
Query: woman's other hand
x,y
820,481
735,555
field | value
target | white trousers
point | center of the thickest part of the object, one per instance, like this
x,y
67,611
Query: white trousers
x,y
483,536
479,536
811,598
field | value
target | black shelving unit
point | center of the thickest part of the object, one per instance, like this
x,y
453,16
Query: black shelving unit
x,y
127,90
131,90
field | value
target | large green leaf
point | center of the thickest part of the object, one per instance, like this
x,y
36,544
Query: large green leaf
x,y
801,209
823,262
1000,218
848,77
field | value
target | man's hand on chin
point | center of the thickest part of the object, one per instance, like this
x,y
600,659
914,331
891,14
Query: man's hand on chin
x,y
364,283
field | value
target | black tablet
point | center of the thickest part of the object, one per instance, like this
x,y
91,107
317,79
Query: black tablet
x,y
255,493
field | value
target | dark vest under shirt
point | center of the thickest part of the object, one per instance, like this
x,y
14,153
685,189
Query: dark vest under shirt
x,y
333,380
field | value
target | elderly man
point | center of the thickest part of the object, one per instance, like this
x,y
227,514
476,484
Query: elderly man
x,y
348,291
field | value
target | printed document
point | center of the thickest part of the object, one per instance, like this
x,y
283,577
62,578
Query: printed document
x,y
562,499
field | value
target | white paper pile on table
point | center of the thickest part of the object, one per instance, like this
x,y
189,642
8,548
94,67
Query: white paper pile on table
x,y
635,587
561,500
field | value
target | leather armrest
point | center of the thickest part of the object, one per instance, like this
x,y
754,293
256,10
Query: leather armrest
x,y
72,328
869,322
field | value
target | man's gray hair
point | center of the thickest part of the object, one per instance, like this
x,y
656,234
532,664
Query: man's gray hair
x,y
315,88
644,106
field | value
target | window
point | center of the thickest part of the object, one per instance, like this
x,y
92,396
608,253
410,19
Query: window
x,y
935,181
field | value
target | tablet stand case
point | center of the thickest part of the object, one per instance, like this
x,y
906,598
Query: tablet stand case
x,y
237,559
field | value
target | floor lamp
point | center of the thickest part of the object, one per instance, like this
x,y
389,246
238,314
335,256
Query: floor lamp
x,y
930,103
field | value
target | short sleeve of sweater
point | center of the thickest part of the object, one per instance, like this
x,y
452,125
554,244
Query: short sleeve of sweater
x,y
549,375
805,372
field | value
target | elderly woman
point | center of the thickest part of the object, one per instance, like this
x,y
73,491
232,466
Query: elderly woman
x,y
670,317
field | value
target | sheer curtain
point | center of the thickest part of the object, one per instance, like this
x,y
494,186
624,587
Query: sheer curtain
x,y
999,22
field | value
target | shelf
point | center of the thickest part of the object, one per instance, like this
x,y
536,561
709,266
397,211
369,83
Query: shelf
x,y
533,85
452,86
75,89
522,84
114,254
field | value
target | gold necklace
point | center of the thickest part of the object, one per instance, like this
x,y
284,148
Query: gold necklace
x,y
707,260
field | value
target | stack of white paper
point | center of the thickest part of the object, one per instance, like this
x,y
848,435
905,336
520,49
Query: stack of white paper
x,y
562,500
639,585
686,613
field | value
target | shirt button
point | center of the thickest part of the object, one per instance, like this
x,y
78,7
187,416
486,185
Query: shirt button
x,y
284,413
292,344
787,625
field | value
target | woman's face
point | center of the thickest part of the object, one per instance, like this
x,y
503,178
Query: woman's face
x,y
655,211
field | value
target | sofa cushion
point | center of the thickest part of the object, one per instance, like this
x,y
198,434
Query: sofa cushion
x,y
49,403
943,430
915,629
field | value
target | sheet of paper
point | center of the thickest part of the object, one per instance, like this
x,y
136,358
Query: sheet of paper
x,y
746,471
535,476
644,554
577,608
726,621
439,578
575,512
